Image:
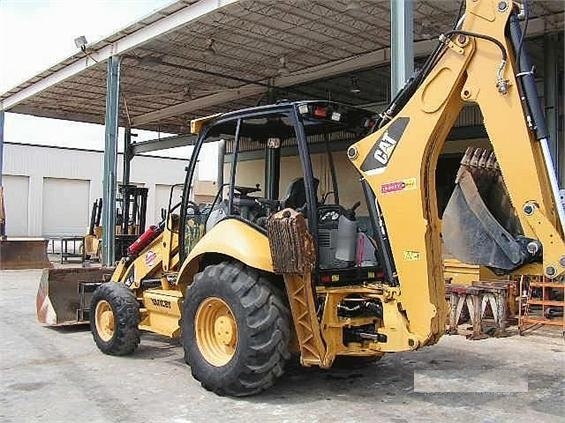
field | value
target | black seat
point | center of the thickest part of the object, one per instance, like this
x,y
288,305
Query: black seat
x,y
296,193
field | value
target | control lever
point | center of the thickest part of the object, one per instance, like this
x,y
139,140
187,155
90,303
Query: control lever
x,y
350,214
272,204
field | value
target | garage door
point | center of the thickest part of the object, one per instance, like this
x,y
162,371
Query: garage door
x,y
66,206
16,197
162,193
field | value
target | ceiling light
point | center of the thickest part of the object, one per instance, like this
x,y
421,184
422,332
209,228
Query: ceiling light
x,y
211,49
283,69
81,42
427,29
353,5
354,86
187,92
151,61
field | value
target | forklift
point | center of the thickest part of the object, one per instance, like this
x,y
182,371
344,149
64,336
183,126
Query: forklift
x,y
131,209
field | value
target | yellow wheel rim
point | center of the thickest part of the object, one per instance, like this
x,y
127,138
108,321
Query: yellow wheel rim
x,y
104,318
216,331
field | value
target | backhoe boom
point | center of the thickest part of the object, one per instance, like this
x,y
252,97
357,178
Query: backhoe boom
x,y
476,65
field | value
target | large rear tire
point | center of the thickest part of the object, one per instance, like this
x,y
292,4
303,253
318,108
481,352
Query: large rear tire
x,y
114,319
235,330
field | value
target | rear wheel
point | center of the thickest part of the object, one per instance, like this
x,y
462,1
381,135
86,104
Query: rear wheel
x,y
114,319
235,330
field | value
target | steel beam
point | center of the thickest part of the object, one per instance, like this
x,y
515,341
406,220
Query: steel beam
x,y
110,162
326,70
162,144
401,43
168,23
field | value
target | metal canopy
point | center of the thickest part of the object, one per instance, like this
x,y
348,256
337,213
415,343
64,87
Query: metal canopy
x,y
195,58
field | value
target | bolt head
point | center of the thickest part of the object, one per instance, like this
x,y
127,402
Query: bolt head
x,y
502,5
562,261
461,39
533,248
528,209
352,153
550,271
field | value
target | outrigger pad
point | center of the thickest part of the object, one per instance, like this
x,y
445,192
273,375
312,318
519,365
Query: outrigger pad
x,y
479,223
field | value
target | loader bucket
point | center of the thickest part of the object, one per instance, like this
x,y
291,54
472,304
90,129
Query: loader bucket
x,y
479,223
23,253
59,301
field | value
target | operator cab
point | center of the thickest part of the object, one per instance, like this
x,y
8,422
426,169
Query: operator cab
x,y
289,155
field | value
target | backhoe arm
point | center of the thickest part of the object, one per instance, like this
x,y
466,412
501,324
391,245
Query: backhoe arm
x,y
476,64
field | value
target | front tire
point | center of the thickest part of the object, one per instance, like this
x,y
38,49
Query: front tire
x,y
114,319
235,330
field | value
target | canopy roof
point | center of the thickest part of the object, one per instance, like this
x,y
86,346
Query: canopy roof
x,y
195,58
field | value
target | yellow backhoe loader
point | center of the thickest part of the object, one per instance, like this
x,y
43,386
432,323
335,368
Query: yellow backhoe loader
x,y
348,260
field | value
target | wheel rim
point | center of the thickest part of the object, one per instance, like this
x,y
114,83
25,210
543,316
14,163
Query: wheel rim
x,y
216,331
105,323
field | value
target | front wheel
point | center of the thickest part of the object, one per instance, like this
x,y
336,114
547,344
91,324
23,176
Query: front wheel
x,y
235,330
114,319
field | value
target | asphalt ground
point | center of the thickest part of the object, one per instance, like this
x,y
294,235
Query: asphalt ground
x,y
58,375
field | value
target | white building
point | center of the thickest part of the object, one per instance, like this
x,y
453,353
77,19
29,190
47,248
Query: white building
x,y
49,191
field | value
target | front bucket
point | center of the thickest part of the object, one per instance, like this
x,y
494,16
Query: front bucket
x,y
24,253
58,300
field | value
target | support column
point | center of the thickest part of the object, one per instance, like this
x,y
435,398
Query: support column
x,y
551,96
110,161
127,156
126,193
401,43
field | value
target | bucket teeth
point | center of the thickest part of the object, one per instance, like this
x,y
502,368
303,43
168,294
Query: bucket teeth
x,y
484,158
479,158
491,163
482,165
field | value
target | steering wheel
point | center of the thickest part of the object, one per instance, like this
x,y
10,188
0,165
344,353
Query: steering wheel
x,y
244,191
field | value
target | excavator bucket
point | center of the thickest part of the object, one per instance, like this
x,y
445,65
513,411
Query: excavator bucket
x,y
480,225
23,253
63,296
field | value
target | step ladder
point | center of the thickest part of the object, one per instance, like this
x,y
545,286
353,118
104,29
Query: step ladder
x,y
544,303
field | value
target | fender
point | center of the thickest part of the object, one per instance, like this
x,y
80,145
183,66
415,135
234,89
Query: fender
x,y
233,238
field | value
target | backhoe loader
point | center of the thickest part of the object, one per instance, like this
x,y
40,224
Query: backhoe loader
x,y
344,263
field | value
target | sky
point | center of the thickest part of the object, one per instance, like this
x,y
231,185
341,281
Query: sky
x,y
36,34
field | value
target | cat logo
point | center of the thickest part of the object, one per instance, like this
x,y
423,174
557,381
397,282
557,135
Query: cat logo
x,y
384,149
380,154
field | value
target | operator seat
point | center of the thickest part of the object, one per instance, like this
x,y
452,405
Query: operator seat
x,y
296,194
